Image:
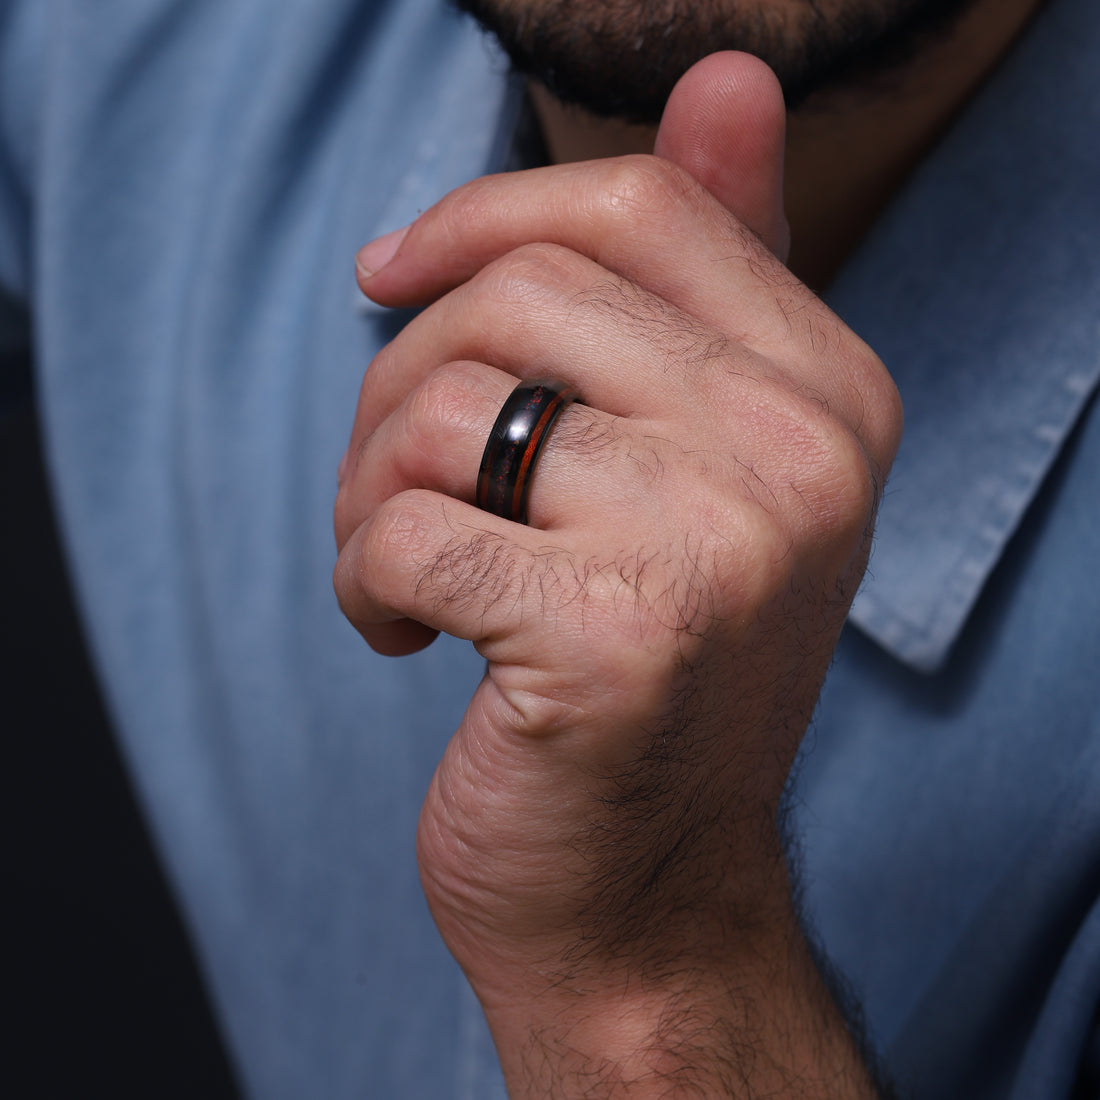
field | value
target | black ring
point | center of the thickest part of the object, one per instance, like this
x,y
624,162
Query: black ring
x,y
521,429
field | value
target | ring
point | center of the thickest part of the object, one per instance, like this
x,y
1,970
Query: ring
x,y
517,438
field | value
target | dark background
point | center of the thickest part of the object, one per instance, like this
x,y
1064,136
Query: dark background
x,y
98,975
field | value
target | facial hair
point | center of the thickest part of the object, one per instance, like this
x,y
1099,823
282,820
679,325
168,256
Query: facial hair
x,y
621,58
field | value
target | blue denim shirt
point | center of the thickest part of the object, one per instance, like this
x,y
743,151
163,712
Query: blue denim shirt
x,y
950,787
182,189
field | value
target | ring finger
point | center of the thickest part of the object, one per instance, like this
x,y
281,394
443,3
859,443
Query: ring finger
x,y
436,439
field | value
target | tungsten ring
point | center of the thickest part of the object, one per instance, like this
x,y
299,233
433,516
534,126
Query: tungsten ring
x,y
521,429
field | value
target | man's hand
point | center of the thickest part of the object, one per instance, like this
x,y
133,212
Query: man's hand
x,y
599,845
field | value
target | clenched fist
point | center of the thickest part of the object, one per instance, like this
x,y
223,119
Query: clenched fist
x,y
599,845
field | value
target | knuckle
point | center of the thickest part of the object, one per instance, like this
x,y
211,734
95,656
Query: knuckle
x,y
819,475
526,275
828,470
440,404
472,204
647,187
882,417
448,405
395,533
846,494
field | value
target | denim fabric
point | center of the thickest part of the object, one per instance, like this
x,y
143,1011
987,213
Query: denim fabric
x,y
949,793
200,174
980,290
183,184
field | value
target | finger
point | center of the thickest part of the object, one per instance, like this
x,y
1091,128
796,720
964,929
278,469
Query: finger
x,y
435,439
643,218
647,221
430,440
544,311
725,124
603,473
432,560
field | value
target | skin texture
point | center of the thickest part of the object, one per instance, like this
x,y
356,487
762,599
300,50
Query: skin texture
x,y
601,846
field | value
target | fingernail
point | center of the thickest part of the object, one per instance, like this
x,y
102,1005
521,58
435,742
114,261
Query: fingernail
x,y
372,257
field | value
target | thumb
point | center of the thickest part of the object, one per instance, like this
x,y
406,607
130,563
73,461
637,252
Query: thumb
x,y
725,124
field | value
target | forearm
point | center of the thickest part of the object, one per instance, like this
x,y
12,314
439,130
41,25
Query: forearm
x,y
750,1017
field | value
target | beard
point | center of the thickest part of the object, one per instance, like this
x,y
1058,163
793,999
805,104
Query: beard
x,y
621,58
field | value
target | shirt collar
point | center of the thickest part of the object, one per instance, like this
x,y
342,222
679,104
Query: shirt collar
x,y
980,290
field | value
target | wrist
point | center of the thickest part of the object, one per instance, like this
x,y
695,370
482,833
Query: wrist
x,y
630,1041
755,1021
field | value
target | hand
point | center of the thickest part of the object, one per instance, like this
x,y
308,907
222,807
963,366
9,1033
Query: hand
x,y
599,845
